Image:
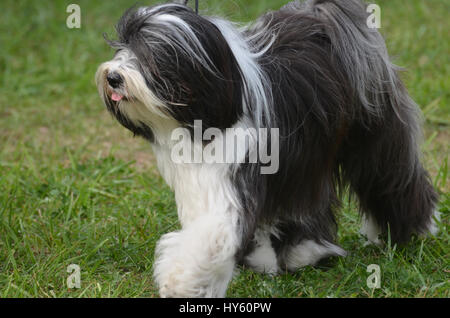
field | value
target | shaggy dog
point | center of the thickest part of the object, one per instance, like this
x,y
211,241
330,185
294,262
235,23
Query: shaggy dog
x,y
312,84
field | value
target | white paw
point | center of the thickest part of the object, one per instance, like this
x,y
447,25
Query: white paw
x,y
370,230
169,270
309,252
433,228
195,262
263,258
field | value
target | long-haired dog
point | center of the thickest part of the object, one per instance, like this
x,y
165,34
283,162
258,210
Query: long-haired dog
x,y
316,73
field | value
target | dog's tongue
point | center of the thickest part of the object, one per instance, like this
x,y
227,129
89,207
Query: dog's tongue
x,y
116,97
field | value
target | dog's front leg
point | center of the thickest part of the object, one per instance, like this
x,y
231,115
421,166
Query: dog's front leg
x,y
199,260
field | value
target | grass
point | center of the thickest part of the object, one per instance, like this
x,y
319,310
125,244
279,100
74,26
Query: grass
x,y
76,188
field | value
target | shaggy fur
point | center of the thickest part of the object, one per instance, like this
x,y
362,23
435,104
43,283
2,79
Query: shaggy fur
x,y
312,69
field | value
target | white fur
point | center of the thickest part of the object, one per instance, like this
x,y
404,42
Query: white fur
x,y
199,260
258,87
263,259
433,228
309,252
134,89
371,230
181,32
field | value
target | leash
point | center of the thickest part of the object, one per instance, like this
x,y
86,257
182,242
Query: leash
x,y
196,5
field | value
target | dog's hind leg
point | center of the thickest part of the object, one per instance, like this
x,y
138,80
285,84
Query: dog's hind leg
x,y
276,249
384,169
402,209
380,159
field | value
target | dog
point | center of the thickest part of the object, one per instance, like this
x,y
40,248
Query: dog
x,y
322,81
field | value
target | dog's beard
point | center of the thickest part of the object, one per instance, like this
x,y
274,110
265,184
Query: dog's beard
x,y
133,98
133,104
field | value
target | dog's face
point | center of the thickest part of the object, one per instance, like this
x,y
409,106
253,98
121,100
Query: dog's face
x,y
170,65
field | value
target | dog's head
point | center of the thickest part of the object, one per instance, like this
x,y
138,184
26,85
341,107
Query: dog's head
x,y
174,65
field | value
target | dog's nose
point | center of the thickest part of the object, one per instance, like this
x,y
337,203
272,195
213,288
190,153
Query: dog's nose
x,y
114,79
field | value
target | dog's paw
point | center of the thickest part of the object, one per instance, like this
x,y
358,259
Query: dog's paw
x,y
186,268
309,252
433,228
371,231
170,270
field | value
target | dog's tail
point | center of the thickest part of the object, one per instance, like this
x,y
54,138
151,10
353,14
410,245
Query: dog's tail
x,y
360,50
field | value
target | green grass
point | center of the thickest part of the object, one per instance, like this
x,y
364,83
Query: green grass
x,y
76,188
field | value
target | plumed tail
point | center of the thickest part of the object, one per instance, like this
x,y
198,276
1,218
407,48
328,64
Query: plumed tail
x,y
361,52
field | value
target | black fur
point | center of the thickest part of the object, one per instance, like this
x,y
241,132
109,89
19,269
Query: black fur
x,y
330,137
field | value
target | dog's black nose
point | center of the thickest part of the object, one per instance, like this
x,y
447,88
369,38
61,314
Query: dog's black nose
x,y
114,79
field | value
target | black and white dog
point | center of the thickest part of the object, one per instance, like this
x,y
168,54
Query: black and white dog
x,y
316,73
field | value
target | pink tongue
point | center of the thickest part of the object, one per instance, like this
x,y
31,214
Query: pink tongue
x,y
116,97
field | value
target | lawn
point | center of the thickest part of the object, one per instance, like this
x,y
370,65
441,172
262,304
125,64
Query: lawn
x,y
76,188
